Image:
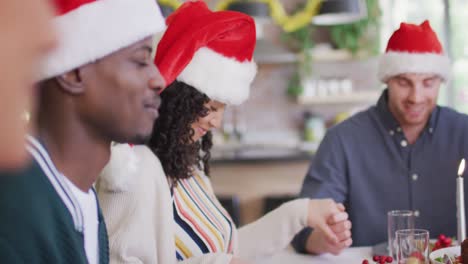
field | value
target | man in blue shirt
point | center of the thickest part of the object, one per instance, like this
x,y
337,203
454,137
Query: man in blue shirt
x,y
402,153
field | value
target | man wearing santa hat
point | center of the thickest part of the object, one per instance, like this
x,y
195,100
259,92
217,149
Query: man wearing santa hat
x,y
402,153
99,86
208,59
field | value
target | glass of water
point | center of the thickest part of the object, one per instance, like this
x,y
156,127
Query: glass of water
x,y
397,220
413,246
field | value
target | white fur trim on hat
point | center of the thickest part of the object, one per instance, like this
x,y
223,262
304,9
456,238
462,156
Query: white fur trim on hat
x,y
119,174
395,63
98,29
220,78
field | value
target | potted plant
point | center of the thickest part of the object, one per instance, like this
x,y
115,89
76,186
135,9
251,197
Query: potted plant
x,y
362,37
300,41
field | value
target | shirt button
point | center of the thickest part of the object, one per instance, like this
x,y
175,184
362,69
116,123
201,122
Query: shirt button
x,y
398,129
391,132
404,143
416,213
431,130
414,177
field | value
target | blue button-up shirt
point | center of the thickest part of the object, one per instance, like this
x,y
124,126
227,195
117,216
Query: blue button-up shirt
x,y
366,163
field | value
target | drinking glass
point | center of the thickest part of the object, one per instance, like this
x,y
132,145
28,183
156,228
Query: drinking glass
x,y
413,246
397,220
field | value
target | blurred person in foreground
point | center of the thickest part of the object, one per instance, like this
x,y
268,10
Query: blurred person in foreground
x,y
100,85
27,36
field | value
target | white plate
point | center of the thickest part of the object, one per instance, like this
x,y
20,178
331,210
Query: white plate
x,y
450,251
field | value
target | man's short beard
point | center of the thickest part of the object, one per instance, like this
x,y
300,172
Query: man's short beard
x,y
140,139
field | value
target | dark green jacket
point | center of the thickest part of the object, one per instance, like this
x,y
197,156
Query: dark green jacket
x,y
35,224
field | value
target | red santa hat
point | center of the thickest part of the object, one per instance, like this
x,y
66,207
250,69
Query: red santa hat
x,y
92,29
414,49
211,51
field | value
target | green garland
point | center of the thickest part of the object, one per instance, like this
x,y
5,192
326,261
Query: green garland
x,y
277,13
174,4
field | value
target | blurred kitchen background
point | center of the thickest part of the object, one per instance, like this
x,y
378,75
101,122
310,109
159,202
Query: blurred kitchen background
x,y
310,79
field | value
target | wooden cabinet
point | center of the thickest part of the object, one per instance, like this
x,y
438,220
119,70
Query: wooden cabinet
x,y
252,182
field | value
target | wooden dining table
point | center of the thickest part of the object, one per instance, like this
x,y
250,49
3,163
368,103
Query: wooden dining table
x,y
350,255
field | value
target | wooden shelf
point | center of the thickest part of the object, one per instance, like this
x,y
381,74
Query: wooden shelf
x,y
352,98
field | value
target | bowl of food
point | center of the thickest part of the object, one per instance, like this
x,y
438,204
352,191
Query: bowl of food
x,y
454,253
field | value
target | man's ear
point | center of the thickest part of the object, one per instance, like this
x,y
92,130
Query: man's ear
x,y
71,82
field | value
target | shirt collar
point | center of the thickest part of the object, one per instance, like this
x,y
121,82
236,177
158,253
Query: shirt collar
x,y
57,180
392,124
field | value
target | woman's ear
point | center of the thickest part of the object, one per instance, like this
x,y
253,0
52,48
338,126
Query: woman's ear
x,y
71,82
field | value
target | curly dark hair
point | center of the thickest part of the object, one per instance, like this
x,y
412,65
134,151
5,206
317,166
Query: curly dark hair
x,y
171,139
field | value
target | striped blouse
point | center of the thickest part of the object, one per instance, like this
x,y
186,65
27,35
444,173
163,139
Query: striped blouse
x,y
202,224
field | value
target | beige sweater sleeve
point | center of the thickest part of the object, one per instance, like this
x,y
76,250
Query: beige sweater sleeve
x,y
135,198
274,231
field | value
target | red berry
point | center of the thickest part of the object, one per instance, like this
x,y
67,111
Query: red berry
x,y
437,244
365,261
389,259
417,255
376,258
448,241
442,237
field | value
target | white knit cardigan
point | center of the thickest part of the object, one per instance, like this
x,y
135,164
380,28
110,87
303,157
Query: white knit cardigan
x,y
135,198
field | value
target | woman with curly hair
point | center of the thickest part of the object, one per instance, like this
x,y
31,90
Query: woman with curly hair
x,y
181,140
207,58
180,136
